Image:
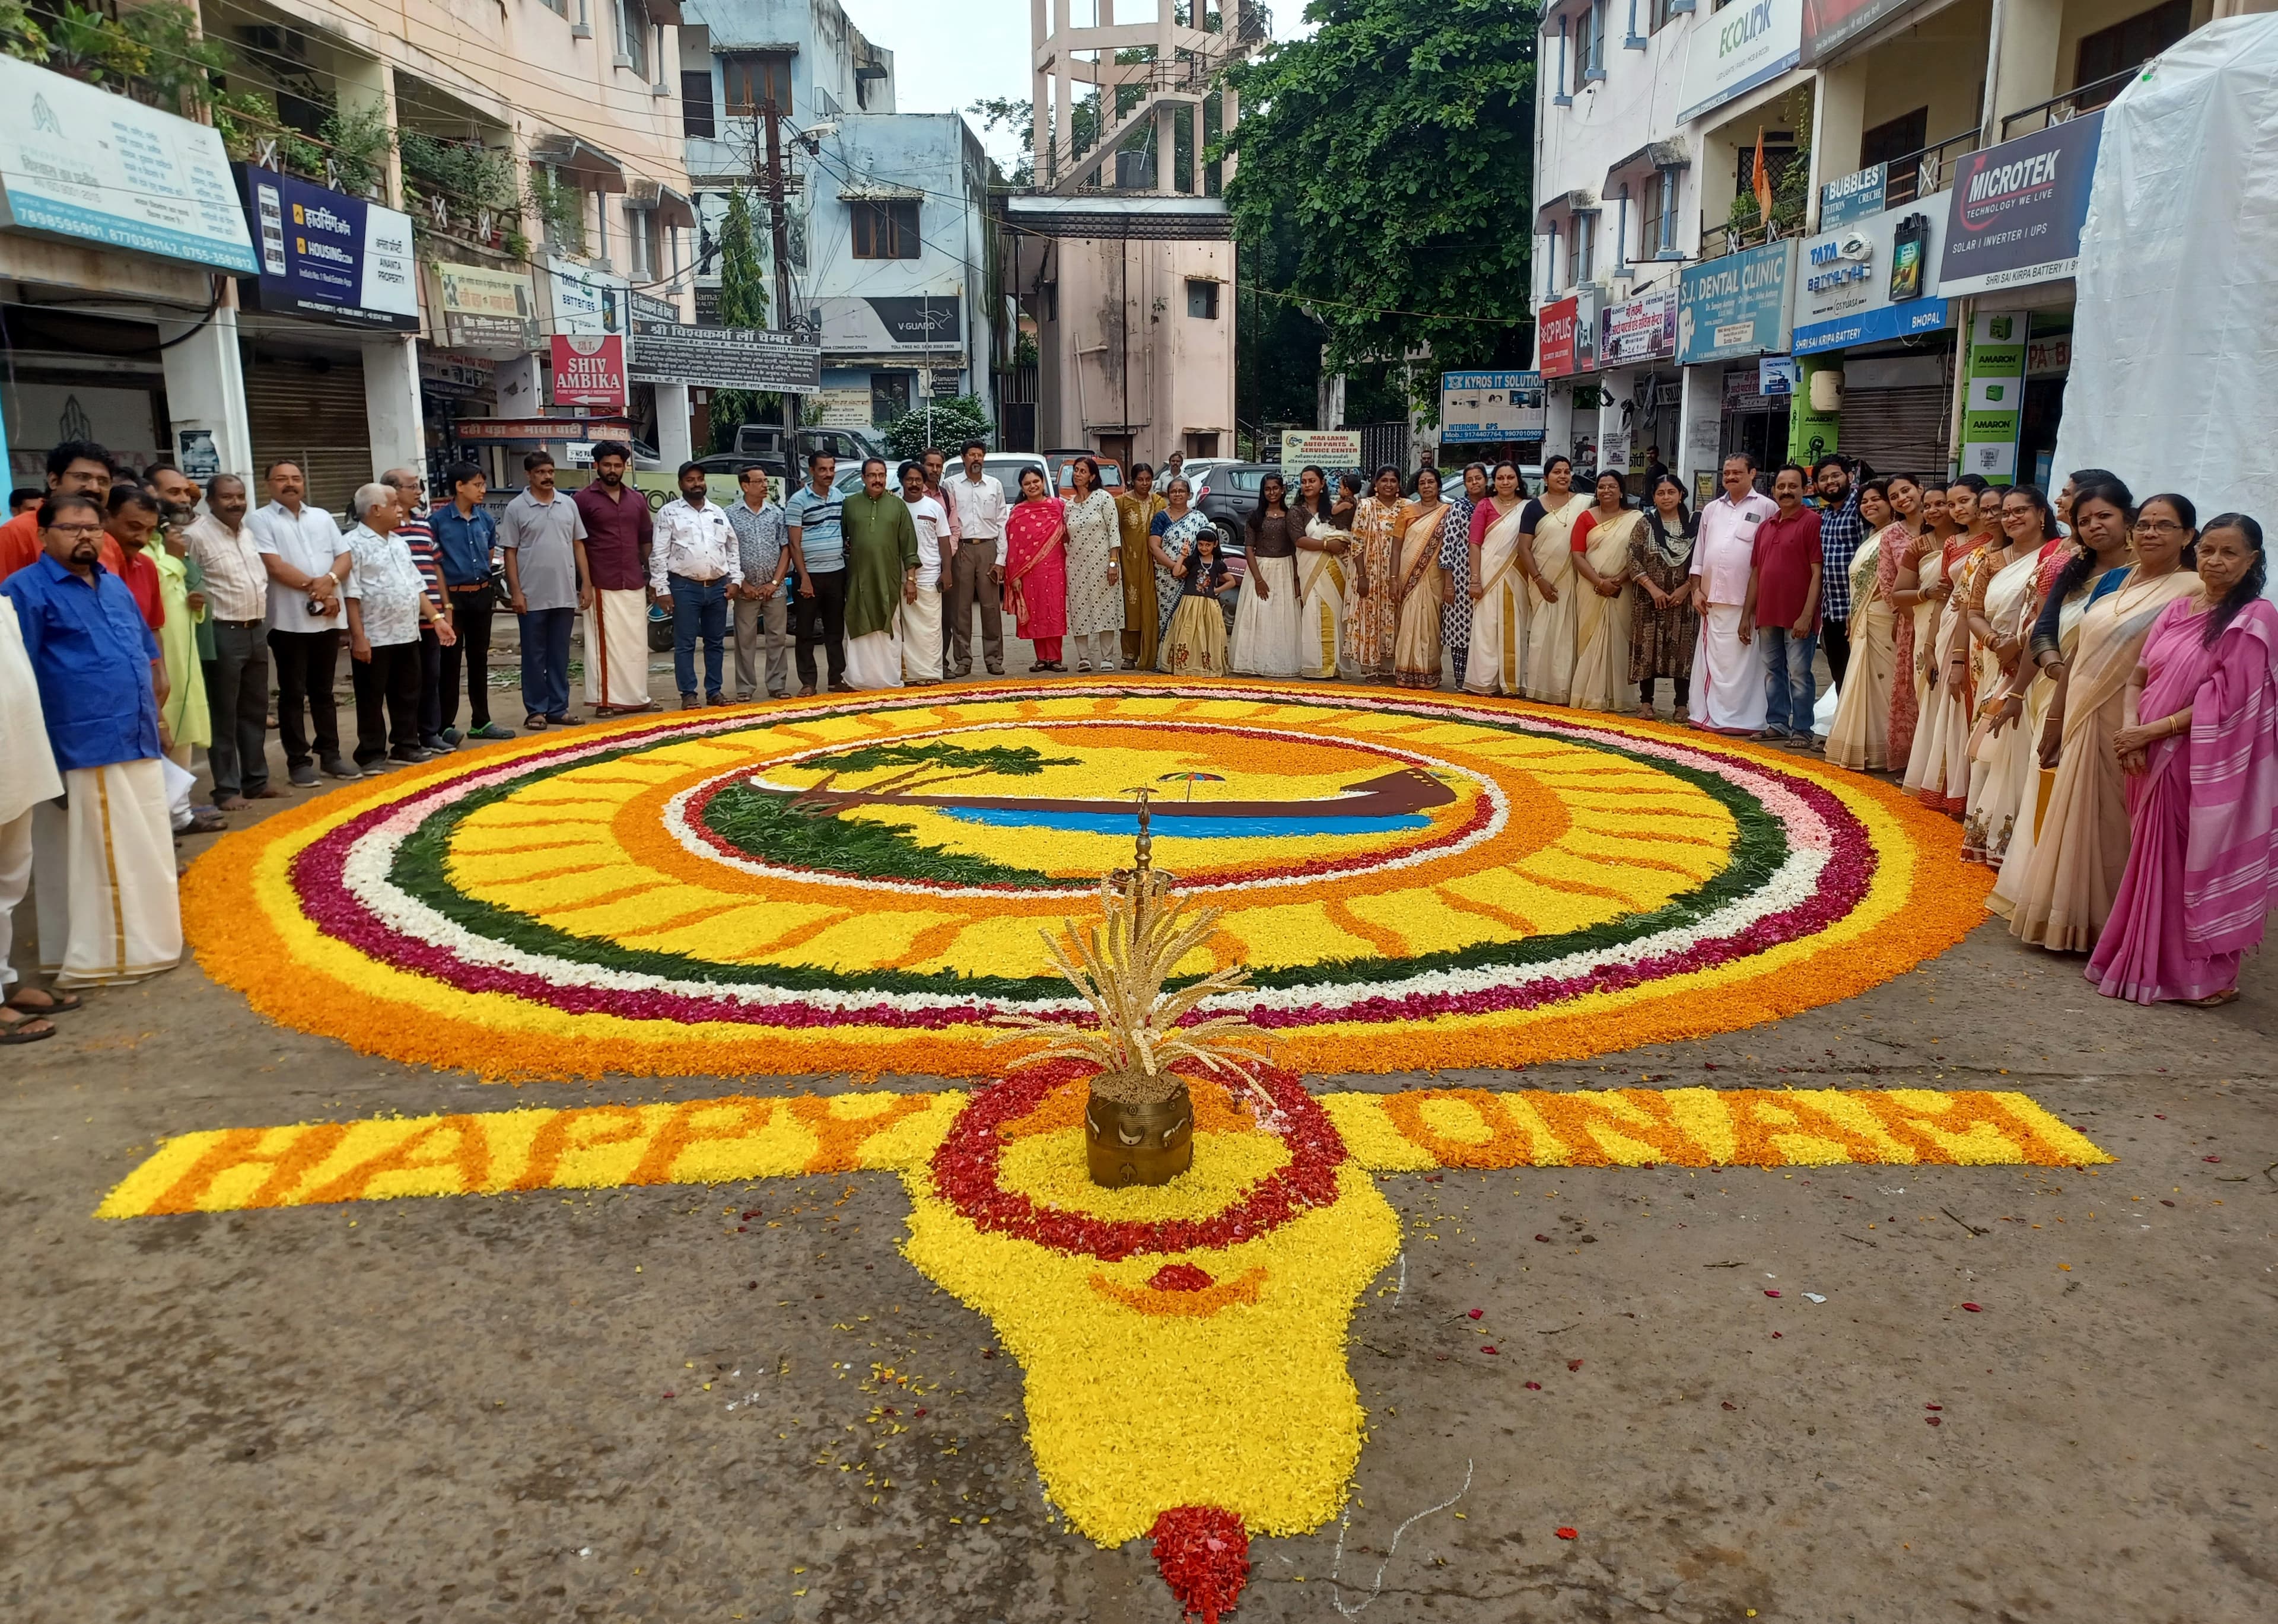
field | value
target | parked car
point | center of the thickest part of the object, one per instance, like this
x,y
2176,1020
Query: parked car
x,y
763,442
1227,493
1005,467
1110,472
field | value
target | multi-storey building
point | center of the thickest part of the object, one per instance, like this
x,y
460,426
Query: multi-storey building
x,y
1895,246
888,239
364,263
1122,253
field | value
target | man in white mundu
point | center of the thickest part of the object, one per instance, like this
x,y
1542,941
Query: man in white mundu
x,y
107,853
921,608
1728,678
614,554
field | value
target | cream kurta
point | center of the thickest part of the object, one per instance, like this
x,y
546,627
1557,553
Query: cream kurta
x,y
2000,764
1859,736
1929,618
1602,625
2033,807
1322,582
1550,627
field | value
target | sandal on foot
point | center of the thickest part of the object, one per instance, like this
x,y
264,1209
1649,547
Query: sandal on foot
x,y
16,1028
56,1002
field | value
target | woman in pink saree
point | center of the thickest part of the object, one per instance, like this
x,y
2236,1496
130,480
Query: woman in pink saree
x,y
2201,752
1035,569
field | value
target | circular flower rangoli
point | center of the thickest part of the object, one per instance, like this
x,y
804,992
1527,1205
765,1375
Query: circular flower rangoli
x,y
860,884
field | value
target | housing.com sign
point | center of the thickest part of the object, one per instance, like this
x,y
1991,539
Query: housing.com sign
x,y
1748,43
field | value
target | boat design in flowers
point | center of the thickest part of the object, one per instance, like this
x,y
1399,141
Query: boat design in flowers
x,y
860,884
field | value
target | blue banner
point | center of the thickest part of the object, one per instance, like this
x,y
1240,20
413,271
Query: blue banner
x,y
1736,307
326,256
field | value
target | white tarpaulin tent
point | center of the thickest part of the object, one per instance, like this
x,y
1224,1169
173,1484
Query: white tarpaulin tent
x,y
2174,357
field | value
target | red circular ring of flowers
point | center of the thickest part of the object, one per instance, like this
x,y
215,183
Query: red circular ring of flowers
x,y
965,1173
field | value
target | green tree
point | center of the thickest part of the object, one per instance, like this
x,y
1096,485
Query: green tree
x,y
747,300
955,420
1395,148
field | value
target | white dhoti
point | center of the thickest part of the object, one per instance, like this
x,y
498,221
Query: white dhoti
x,y
1728,675
1264,641
1321,615
15,880
922,637
616,651
105,867
874,660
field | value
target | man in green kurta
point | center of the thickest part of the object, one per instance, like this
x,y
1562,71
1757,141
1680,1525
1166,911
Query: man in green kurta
x,y
882,575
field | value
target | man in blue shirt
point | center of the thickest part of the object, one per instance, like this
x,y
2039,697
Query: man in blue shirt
x,y
464,535
110,850
818,554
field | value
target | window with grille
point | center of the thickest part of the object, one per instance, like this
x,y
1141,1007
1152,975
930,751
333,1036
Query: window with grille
x,y
632,36
696,120
885,230
755,78
1580,243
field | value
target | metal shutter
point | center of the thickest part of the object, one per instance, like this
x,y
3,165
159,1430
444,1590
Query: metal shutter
x,y
1898,430
315,417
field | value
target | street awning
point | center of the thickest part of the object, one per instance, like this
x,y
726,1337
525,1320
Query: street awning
x,y
672,208
592,169
1671,153
1581,200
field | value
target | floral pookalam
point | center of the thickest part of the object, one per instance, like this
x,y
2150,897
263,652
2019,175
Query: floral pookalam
x,y
860,885
1251,1261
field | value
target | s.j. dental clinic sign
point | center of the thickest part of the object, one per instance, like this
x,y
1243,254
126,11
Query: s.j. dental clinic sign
x,y
1746,44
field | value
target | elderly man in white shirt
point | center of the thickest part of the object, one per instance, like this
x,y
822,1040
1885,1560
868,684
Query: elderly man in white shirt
x,y
921,602
387,597
236,676
307,562
1728,681
694,561
976,569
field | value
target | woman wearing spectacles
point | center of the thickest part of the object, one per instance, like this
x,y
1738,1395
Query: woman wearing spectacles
x,y
2082,849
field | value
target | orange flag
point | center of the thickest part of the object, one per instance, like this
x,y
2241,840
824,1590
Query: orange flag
x,y
1764,183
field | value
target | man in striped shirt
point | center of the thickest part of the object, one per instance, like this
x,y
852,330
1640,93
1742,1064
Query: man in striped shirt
x,y
416,532
1842,533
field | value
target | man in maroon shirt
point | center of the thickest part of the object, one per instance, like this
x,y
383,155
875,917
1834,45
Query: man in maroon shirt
x,y
1783,611
614,559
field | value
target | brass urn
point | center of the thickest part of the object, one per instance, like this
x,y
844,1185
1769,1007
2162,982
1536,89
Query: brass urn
x,y
1142,1141
1139,1121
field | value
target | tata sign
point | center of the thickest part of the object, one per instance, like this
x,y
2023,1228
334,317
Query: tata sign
x,y
1736,307
2017,210
1873,279
1748,43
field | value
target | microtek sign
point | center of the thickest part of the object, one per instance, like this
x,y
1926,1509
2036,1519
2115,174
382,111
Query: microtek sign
x,y
2018,208
1737,48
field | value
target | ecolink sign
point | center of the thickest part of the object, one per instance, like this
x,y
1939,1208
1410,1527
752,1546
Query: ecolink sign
x,y
326,256
1746,44
2017,210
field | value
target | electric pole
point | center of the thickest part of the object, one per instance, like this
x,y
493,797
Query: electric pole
x,y
779,231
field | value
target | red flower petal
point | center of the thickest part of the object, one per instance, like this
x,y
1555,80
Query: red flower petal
x,y
1542,1237
1488,1349
1476,1312
1973,1307
1931,1419
1771,1293
1203,1554
1568,1534
1573,1364
1534,1387
2210,1158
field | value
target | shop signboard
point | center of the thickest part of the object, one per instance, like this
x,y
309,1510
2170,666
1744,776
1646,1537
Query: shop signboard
x,y
1997,395
2017,209
1484,408
540,431
589,371
1775,375
1640,328
885,324
1744,393
649,308
838,408
94,166
1334,450
1748,43
487,309
1736,307
587,304
1830,25
1554,332
1872,280
725,357
326,256
1854,197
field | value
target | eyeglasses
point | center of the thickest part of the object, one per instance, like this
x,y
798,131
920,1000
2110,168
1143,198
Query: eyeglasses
x,y
77,529
2158,527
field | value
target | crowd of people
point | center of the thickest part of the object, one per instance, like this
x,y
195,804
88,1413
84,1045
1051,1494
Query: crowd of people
x,y
2089,684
